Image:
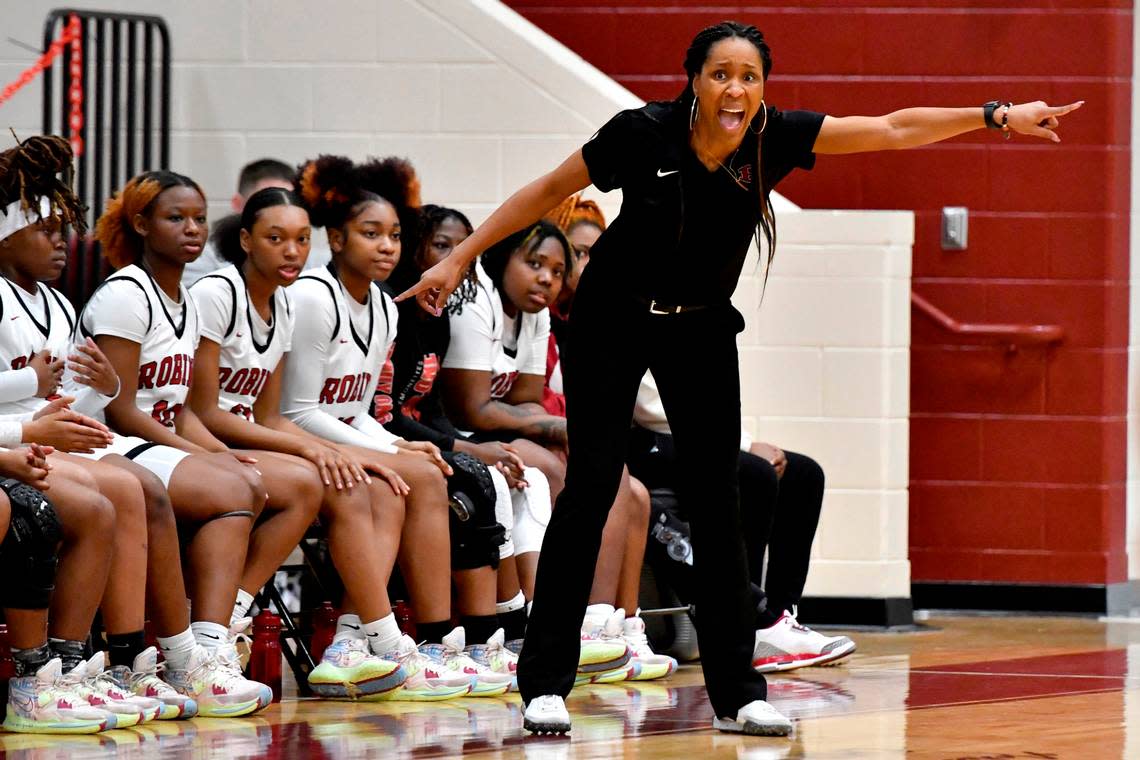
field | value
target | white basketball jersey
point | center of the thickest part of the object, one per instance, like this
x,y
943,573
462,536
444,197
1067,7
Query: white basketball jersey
x,y
250,348
362,337
167,334
30,324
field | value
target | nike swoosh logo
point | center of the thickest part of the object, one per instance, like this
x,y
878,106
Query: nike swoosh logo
x,y
353,627
666,174
210,636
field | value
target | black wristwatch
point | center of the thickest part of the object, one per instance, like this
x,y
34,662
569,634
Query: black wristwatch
x,y
988,110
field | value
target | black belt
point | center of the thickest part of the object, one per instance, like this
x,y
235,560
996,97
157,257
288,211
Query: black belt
x,y
657,307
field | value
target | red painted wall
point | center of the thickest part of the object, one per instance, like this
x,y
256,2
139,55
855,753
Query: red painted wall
x,y
1017,459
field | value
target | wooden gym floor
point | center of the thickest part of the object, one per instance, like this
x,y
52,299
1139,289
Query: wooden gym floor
x,y
1015,688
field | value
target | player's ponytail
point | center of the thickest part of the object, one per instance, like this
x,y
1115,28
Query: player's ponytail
x,y
226,234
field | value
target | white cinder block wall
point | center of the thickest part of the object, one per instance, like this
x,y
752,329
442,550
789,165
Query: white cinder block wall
x,y
481,102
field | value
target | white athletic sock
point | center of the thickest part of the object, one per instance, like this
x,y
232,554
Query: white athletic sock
x,y
241,606
516,603
210,635
383,634
176,649
348,626
597,614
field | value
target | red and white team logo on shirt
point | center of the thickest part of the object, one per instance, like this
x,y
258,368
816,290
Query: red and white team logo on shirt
x,y
243,382
170,370
501,384
382,404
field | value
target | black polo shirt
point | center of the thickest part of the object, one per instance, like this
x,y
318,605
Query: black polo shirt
x,y
683,231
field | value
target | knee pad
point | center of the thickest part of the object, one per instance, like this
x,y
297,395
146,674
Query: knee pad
x,y
475,534
504,512
532,510
30,550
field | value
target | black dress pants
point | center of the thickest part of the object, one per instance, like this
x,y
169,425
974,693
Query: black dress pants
x,y
792,528
693,358
779,515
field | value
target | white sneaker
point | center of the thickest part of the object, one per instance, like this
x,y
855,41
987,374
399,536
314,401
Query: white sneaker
x,y
787,645
427,677
547,715
235,651
217,687
757,718
484,681
100,690
142,680
495,656
47,704
349,670
603,648
653,665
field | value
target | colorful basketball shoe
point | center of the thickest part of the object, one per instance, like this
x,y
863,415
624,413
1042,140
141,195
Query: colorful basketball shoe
x,y
428,678
219,689
628,672
348,670
100,690
652,665
484,681
603,648
495,656
46,703
142,680
787,645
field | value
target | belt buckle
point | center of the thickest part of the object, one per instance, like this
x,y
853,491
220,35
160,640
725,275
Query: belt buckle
x,y
654,310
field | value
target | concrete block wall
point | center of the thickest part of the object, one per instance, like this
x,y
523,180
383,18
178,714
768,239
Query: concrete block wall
x,y
482,101
825,372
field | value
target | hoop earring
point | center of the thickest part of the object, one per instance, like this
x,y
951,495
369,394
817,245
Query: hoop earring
x,y
693,114
763,124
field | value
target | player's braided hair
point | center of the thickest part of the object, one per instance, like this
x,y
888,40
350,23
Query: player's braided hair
x,y
574,211
416,241
30,171
115,230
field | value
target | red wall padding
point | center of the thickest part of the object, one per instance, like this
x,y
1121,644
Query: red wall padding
x,y
1017,459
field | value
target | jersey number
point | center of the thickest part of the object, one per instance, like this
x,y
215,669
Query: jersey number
x,y
165,413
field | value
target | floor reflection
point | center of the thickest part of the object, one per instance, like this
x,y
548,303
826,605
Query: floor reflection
x,y
910,697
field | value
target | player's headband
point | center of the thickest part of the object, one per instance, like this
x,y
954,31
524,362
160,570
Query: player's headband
x,y
14,217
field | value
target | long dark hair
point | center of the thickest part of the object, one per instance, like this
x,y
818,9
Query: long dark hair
x,y
495,258
695,58
416,239
226,235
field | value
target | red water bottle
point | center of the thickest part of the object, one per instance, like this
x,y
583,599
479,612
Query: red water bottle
x,y
324,628
403,612
265,655
7,664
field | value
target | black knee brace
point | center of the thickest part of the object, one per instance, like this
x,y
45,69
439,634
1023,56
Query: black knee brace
x,y
475,534
29,553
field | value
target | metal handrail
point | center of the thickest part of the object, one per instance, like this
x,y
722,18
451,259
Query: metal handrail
x,y
997,332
